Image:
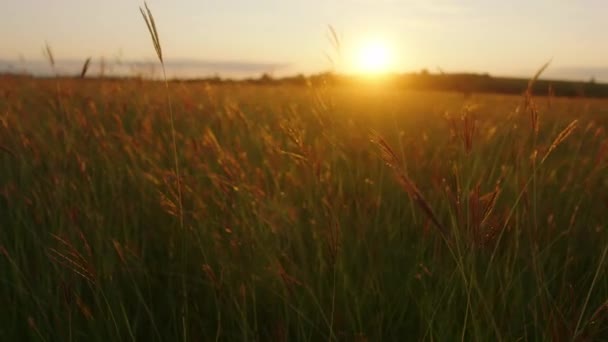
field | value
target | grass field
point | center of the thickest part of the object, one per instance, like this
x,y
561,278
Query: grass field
x,y
299,213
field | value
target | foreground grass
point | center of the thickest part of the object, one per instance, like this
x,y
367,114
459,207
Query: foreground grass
x,y
294,226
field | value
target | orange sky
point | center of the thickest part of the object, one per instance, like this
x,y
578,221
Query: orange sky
x,y
501,37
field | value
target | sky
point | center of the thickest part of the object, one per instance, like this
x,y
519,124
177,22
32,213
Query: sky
x,y
511,38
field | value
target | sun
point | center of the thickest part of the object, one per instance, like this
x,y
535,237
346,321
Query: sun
x,y
373,57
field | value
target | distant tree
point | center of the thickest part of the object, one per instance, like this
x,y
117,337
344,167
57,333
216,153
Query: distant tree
x,y
592,80
215,79
265,78
424,72
298,79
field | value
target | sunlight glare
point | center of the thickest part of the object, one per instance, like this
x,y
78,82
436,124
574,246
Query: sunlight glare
x,y
373,57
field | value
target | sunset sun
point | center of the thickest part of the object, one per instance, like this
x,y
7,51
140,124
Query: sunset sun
x,y
373,57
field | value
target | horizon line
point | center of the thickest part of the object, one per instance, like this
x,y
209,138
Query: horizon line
x,y
205,68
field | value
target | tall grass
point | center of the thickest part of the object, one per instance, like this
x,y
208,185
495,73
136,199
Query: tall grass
x,y
265,213
151,24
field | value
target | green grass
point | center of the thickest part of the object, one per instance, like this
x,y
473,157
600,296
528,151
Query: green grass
x,y
294,226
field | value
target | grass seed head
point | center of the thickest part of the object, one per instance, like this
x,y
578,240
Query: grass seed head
x,y
393,161
149,19
85,67
563,135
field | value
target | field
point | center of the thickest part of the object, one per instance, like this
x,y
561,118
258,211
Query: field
x,y
299,213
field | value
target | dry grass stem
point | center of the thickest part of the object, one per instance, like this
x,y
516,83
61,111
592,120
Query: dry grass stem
x,y
85,67
391,159
563,135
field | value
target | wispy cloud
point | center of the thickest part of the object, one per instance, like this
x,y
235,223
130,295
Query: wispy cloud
x,y
175,67
579,73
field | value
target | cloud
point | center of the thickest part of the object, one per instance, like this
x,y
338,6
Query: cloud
x,y
175,67
579,73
